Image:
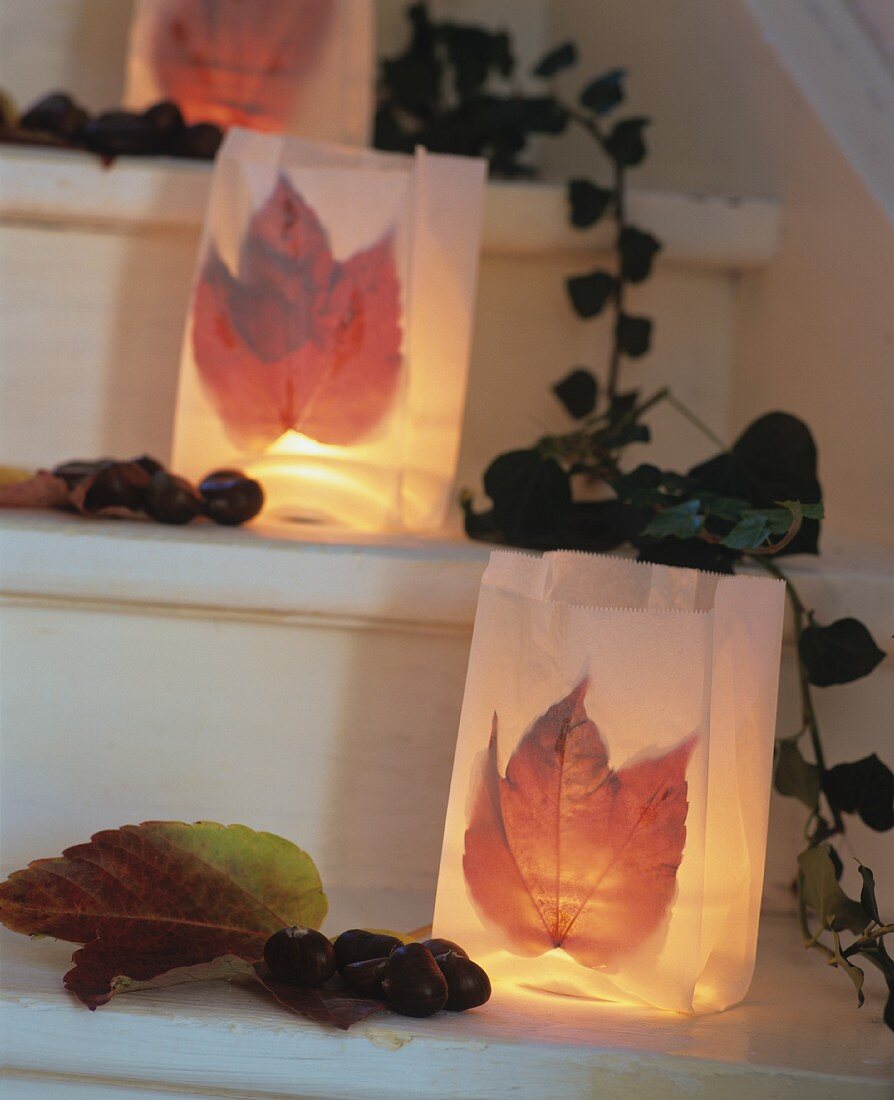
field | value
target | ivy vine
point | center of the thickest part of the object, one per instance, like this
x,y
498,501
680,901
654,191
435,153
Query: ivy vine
x,y
749,505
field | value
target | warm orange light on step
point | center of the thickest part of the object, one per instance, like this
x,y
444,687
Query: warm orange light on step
x,y
328,340
607,822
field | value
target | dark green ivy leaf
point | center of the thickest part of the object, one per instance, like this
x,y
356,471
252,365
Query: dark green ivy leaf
x,y
681,522
773,460
589,293
604,93
779,520
834,856
471,51
867,894
599,525
823,894
878,955
855,974
414,78
638,249
794,776
641,486
865,788
556,60
616,436
687,554
625,144
749,533
634,335
839,653
542,115
531,494
623,403
588,202
577,392
729,508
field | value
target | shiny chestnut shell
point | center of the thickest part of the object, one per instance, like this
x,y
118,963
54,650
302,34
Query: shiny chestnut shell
x,y
468,985
116,485
231,500
358,945
364,979
440,946
414,984
171,499
300,955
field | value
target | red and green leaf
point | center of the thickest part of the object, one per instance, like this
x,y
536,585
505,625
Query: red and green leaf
x,y
149,899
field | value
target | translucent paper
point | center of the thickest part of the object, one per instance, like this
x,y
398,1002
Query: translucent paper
x,y
293,66
328,340
607,822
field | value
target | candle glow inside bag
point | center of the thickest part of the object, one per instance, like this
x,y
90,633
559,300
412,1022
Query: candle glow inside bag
x,y
607,822
328,341
284,66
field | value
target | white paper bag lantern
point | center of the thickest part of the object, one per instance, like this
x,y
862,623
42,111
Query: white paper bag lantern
x,y
328,340
607,822
285,66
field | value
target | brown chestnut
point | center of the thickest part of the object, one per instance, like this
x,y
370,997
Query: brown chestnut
x,y
441,947
358,945
148,463
300,955
80,468
225,473
117,485
365,978
468,985
414,984
232,500
171,499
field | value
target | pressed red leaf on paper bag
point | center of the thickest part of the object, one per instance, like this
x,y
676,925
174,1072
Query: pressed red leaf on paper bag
x,y
296,339
566,851
149,899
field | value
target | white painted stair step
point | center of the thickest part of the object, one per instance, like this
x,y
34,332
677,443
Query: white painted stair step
x,y
307,685
798,1036
111,252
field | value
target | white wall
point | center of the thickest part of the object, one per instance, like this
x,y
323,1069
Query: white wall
x,y
72,45
814,332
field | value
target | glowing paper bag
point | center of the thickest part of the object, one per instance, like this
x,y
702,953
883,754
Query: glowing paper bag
x,y
293,66
328,341
607,822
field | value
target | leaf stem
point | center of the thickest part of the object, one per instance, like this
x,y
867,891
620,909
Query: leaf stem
x,y
866,939
686,412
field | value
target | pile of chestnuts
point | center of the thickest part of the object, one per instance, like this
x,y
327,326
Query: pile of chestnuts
x,y
414,979
143,485
58,120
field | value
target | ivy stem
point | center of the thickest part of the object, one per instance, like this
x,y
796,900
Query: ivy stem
x,y
866,939
800,613
614,366
689,415
589,124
